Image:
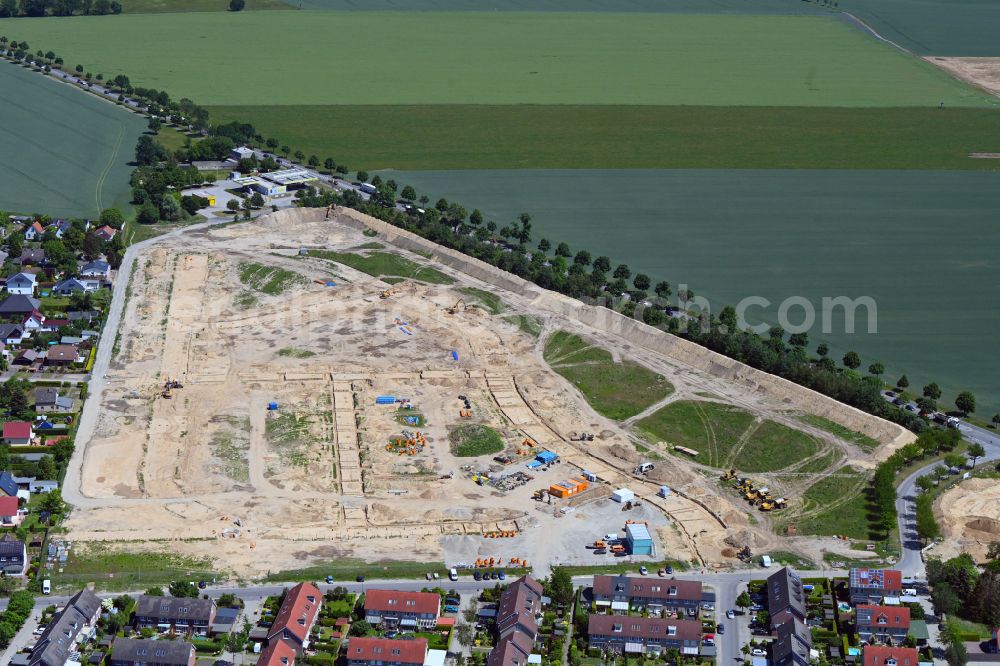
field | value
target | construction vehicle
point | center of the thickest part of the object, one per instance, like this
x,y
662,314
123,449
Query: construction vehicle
x,y
459,304
600,544
166,393
617,548
728,475
745,554
329,210
644,468
388,292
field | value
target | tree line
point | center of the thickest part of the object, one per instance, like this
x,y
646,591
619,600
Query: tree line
x,y
36,8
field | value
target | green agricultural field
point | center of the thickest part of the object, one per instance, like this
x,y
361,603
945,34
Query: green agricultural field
x,y
833,505
726,436
587,58
795,232
668,6
428,137
162,6
270,280
65,151
378,264
617,390
865,442
486,299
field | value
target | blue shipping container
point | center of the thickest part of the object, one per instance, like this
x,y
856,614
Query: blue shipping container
x,y
385,400
546,457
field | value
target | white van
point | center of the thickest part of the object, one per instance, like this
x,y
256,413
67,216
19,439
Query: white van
x,y
46,586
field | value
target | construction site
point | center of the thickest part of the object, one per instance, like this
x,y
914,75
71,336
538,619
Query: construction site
x,y
270,407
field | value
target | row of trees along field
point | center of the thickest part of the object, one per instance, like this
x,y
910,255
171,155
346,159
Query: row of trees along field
x,y
37,8
578,274
960,589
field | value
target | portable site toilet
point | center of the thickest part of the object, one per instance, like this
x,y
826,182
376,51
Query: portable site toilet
x,y
590,476
664,491
623,495
272,406
639,540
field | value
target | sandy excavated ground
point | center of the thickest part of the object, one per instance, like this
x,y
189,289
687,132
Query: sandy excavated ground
x,y
217,474
969,516
981,72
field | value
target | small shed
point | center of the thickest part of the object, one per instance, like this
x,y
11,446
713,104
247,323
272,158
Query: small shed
x,y
590,476
623,495
640,542
546,457
664,491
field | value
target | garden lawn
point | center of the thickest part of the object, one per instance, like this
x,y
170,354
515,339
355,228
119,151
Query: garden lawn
x,y
378,264
617,390
505,58
470,441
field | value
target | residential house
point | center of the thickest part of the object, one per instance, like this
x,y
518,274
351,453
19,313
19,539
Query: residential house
x,y
17,305
884,624
26,357
178,614
61,355
72,285
140,652
41,486
12,334
881,655
622,593
48,400
792,644
53,325
60,227
643,635
519,607
34,231
83,315
33,321
393,608
96,270
10,514
295,617
72,625
106,233
18,433
240,153
786,598
386,652
278,653
13,556
22,283
32,257
871,586
517,623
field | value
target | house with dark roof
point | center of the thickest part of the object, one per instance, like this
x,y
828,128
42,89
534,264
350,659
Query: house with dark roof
x,y
18,433
792,644
26,357
881,655
884,624
624,593
72,285
296,616
871,586
786,598
17,305
21,283
47,399
96,270
12,334
72,625
8,484
177,614
393,608
386,652
517,623
13,555
643,635
141,652
511,651
32,257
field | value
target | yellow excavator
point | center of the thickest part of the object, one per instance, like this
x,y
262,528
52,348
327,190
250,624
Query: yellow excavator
x,y
388,292
459,304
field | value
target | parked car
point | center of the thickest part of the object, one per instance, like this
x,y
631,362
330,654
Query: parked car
x,y
757,652
451,609
721,629
477,574
670,569
730,614
501,575
643,570
360,578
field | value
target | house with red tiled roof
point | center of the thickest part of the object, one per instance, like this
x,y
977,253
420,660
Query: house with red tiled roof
x,y
61,355
882,655
885,624
643,635
106,233
296,616
394,608
278,653
871,586
34,231
622,593
17,433
10,516
386,652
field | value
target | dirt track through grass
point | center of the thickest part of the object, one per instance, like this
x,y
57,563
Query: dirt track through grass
x,y
617,390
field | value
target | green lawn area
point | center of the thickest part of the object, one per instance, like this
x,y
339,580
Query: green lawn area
x,y
472,440
526,324
378,264
981,631
865,442
835,505
294,352
270,280
163,6
113,570
493,303
773,446
710,428
74,147
349,568
615,390
616,136
506,58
